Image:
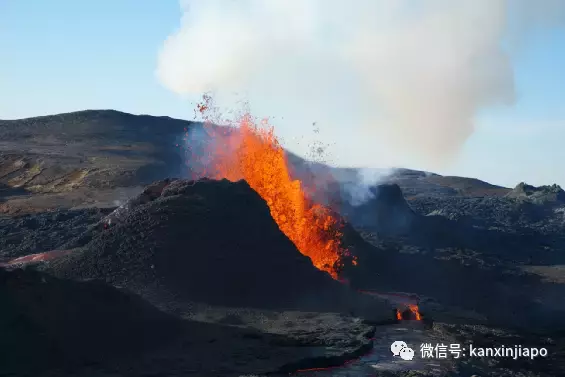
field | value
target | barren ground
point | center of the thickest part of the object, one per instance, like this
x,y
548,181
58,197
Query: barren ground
x,y
485,261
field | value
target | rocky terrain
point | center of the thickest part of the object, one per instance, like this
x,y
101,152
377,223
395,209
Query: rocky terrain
x,y
495,251
45,322
195,278
210,242
87,158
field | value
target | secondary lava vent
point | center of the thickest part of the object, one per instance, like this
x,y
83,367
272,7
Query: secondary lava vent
x,y
410,312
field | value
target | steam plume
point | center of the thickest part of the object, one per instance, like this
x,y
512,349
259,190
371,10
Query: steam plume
x,y
398,78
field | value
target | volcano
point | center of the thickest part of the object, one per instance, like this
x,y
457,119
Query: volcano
x,y
250,150
224,242
213,242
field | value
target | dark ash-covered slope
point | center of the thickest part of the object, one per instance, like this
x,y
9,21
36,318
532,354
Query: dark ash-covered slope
x,y
212,242
52,323
82,158
46,231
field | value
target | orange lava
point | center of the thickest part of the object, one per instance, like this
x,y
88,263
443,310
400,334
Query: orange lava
x,y
253,153
414,309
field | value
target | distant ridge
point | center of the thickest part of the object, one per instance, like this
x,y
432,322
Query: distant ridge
x,y
93,112
97,149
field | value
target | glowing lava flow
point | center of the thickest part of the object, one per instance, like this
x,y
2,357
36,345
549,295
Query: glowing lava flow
x,y
411,312
408,303
415,310
254,154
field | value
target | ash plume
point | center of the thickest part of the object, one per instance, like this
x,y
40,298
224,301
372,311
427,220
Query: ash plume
x,y
391,82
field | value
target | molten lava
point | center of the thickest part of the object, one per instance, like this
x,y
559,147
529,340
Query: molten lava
x,y
411,312
253,153
414,309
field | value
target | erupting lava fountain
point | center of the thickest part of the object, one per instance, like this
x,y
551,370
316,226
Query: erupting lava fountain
x,y
252,152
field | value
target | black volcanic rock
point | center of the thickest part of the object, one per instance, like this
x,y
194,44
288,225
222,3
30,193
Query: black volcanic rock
x,y
386,212
46,231
47,323
212,242
150,193
539,195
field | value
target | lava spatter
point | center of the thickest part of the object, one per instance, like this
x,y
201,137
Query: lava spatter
x,y
252,152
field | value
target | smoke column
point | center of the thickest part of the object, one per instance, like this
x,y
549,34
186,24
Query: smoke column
x,y
396,78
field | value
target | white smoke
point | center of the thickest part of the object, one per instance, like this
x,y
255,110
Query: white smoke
x,y
409,75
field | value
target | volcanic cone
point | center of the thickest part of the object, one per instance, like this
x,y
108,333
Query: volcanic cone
x,y
213,242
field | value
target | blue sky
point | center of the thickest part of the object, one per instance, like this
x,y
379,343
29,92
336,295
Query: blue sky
x,y
67,55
